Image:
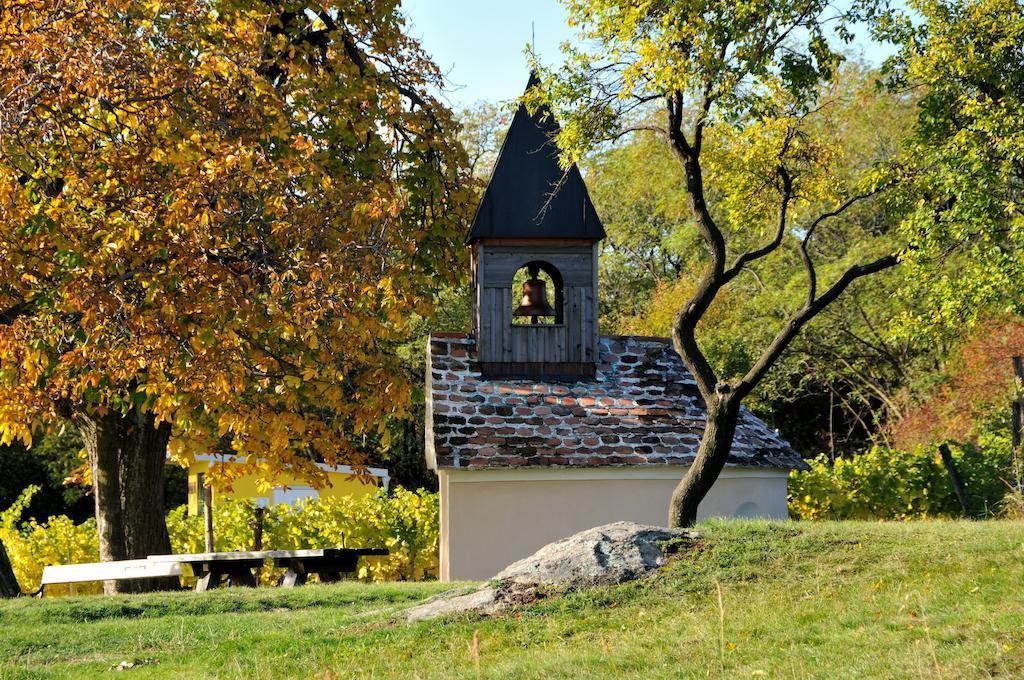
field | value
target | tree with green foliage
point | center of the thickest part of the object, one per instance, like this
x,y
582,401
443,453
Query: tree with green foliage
x,y
849,373
745,90
52,462
966,59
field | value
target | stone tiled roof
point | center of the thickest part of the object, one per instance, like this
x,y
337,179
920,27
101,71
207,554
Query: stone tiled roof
x,y
642,409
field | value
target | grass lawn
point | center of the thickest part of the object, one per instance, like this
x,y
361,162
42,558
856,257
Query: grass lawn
x,y
827,600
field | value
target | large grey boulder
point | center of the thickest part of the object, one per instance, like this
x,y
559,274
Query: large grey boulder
x,y
605,555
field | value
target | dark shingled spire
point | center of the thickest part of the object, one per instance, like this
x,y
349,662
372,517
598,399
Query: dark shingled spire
x,y
529,195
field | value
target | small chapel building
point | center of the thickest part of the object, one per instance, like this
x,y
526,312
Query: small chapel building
x,y
537,426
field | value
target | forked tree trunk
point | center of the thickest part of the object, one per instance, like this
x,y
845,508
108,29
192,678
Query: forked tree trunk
x,y
8,583
127,456
723,414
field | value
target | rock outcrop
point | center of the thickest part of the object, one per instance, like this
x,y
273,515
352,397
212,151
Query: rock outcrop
x,y
605,555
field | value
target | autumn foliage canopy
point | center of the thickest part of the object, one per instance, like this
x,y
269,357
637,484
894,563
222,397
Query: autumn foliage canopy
x,y
225,214
978,389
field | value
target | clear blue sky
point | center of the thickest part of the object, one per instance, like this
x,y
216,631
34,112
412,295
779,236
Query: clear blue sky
x,y
479,43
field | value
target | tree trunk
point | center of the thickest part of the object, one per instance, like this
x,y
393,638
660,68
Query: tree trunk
x,y
208,536
956,480
127,454
723,414
8,583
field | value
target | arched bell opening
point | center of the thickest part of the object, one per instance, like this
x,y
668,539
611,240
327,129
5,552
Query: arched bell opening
x,y
537,294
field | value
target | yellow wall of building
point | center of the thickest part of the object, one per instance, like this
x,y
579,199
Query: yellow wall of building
x,y
340,484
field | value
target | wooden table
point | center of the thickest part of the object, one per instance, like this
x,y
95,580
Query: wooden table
x,y
329,563
237,567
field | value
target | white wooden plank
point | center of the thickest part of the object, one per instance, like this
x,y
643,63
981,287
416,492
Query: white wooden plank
x,y
234,555
254,555
109,571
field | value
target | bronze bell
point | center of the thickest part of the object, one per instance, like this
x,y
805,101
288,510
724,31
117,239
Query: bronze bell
x,y
535,300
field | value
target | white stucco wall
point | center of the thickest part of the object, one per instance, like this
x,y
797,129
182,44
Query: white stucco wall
x,y
490,518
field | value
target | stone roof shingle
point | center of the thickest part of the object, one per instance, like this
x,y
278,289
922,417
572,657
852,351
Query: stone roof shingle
x,y
642,409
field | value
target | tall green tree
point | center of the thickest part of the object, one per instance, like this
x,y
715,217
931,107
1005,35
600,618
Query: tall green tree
x,y
742,88
849,372
966,59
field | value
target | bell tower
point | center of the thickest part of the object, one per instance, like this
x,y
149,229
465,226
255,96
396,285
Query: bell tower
x,y
533,244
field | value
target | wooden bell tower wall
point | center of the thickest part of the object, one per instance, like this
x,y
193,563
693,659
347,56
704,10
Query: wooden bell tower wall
x,y
566,350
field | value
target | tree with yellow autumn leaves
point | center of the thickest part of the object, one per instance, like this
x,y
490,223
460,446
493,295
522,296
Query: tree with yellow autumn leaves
x,y
217,221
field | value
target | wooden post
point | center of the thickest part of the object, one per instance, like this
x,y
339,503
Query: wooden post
x,y
8,583
208,516
1015,428
257,529
1018,408
956,480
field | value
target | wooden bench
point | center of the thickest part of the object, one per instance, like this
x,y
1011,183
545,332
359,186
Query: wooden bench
x,y
123,570
236,568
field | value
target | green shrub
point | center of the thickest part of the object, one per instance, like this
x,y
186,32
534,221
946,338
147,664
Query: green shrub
x,y
31,545
405,522
884,483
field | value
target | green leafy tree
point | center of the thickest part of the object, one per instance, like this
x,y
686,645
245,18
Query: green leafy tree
x,y
650,237
967,61
53,463
744,91
847,374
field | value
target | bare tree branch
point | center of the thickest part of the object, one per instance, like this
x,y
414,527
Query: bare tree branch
x,y
811,309
780,229
805,256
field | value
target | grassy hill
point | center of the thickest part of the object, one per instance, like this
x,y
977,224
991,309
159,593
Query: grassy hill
x,y
828,600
